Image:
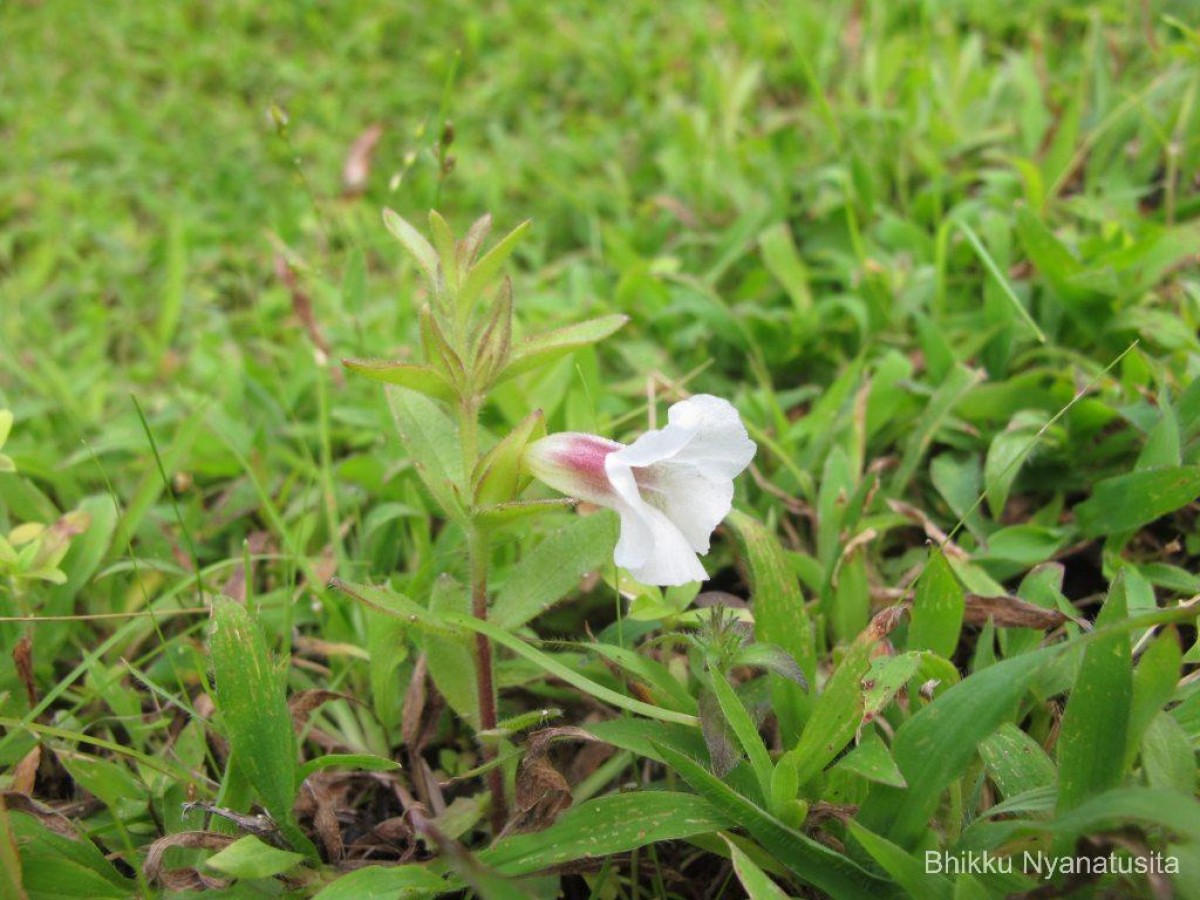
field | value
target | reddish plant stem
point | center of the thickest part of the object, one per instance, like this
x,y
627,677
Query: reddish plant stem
x,y
483,670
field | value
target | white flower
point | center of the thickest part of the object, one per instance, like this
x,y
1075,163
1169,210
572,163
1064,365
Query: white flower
x,y
671,487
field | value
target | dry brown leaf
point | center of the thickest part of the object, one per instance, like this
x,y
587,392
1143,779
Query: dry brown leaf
x,y
311,646
884,621
414,706
22,656
235,586
204,706
325,799
326,565
427,786
185,878
48,816
542,791
302,306
677,208
393,832
859,540
1011,612
392,837
588,760
189,879
823,812
930,528
24,773
357,167
302,704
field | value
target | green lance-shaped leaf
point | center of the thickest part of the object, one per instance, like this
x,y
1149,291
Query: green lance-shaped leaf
x,y
443,242
56,866
432,441
400,607
886,677
6,420
423,379
252,699
936,745
662,684
364,762
439,353
554,568
1127,502
1095,724
409,882
248,857
452,659
873,761
498,477
468,247
495,340
1001,279
1015,762
907,868
773,659
746,732
1007,453
1154,681
552,666
616,823
937,610
108,781
414,242
537,351
452,625
485,271
838,709
757,883
958,383
812,862
785,263
1167,756
1118,808
642,736
780,616
1049,255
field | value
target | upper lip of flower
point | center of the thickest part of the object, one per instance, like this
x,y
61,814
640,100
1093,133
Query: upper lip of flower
x,y
671,487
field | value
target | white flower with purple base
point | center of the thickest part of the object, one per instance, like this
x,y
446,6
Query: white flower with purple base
x,y
670,487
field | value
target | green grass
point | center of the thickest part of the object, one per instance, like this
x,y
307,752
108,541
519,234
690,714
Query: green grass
x,y
942,256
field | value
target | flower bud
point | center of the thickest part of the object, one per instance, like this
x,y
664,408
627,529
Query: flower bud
x,y
573,464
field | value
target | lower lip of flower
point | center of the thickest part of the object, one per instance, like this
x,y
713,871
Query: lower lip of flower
x,y
648,485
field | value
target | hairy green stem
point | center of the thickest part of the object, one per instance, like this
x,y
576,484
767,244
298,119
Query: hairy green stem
x,y
479,553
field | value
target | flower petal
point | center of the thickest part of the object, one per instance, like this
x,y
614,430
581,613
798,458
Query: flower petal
x,y
671,561
721,445
703,430
690,497
656,446
651,546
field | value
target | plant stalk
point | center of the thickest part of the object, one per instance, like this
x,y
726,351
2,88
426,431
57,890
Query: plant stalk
x,y
486,686
478,552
